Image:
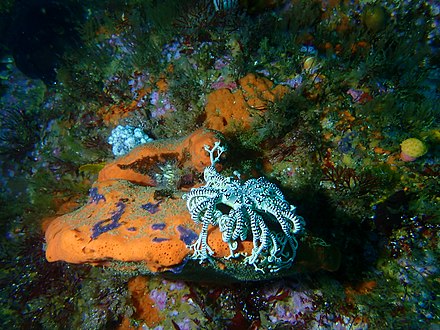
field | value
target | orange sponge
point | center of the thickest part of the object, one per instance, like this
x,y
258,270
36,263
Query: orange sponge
x,y
225,108
135,165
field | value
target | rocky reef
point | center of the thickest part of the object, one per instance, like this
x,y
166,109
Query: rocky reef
x,y
219,164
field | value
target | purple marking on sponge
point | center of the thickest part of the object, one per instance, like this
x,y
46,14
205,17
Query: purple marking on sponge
x,y
94,196
151,207
104,225
187,235
158,226
131,229
160,239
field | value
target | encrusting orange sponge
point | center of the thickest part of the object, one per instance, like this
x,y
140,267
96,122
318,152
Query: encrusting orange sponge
x,y
125,223
224,108
134,166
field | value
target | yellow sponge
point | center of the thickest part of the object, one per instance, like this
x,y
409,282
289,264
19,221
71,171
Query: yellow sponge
x,y
412,148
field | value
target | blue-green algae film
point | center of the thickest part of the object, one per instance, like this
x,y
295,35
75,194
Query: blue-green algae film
x,y
335,103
